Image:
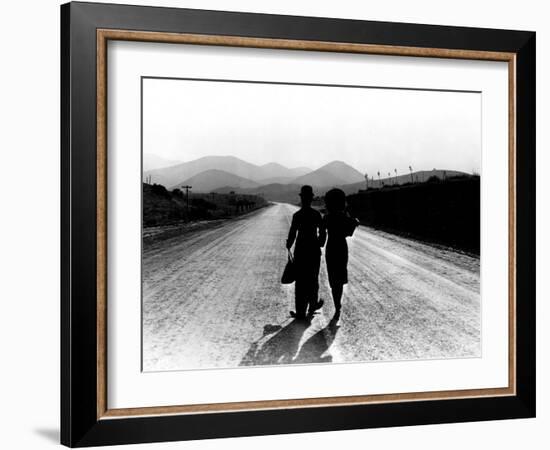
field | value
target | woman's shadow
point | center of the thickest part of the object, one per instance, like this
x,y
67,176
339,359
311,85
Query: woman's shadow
x,y
282,347
315,349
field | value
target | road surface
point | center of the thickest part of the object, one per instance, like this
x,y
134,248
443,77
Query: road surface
x,y
213,299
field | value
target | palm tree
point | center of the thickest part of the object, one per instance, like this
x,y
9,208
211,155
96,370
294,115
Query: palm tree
x,y
367,180
411,170
395,170
379,182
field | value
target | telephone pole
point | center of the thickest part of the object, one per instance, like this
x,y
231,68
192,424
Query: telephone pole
x,y
186,187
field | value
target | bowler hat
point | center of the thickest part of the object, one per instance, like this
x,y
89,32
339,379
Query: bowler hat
x,y
306,191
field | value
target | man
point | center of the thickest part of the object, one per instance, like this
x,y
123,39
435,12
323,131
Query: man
x,y
308,231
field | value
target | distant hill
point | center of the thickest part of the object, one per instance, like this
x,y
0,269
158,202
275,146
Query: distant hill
x,y
299,171
335,173
319,178
210,180
274,170
151,162
169,176
277,180
417,177
288,193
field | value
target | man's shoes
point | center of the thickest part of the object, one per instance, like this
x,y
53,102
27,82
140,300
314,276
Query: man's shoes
x,y
333,324
315,307
297,316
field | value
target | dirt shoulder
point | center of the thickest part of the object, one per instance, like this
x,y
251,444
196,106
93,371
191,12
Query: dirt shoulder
x,y
154,234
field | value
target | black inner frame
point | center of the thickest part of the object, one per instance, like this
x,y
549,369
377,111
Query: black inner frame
x,y
79,423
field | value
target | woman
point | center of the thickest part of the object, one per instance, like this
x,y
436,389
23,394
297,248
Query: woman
x,y
339,226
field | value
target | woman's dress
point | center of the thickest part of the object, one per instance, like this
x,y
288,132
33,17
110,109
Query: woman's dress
x,y
339,226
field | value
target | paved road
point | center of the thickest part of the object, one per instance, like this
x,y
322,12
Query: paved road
x,y
212,298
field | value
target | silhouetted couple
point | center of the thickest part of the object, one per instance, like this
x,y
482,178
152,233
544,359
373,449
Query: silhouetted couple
x,y
309,230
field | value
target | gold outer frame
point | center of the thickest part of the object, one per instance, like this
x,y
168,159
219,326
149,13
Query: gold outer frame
x,y
104,35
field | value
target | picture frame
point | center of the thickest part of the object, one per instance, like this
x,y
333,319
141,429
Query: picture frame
x,y
86,418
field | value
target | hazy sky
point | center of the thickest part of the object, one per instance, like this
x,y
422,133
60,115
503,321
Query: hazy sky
x,y
370,129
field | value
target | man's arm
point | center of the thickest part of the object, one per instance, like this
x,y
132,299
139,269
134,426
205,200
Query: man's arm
x,y
322,232
292,233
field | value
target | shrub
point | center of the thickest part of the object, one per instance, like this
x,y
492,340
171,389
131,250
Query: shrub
x,y
159,189
201,203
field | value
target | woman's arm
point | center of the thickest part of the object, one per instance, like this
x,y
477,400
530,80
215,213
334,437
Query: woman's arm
x,y
351,225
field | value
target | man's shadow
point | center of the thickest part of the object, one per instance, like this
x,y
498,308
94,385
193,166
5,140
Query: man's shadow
x,y
281,348
315,349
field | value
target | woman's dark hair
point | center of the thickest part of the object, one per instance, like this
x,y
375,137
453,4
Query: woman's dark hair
x,y
335,200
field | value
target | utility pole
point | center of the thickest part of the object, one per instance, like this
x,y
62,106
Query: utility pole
x,y
186,187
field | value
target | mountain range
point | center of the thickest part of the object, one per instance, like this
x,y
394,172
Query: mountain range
x,y
178,174
274,181
213,179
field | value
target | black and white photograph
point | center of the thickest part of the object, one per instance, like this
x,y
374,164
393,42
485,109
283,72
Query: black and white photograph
x,y
278,225
288,224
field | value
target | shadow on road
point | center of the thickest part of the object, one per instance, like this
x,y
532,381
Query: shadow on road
x,y
314,349
283,346
279,348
